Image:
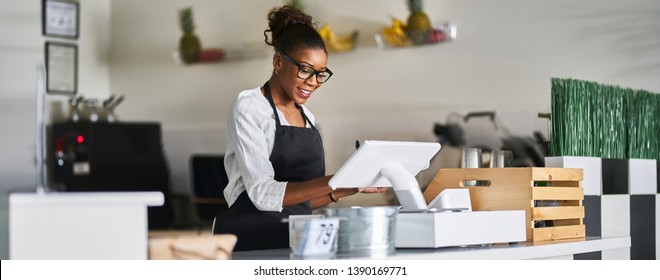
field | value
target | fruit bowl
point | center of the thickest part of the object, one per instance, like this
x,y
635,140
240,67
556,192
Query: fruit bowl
x,y
396,36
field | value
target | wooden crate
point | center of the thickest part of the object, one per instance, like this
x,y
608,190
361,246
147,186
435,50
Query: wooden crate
x,y
523,189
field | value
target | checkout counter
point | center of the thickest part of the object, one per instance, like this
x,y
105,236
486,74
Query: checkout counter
x,y
512,218
113,225
564,250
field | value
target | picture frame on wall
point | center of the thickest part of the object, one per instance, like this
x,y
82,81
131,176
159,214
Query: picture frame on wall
x,y
61,68
60,18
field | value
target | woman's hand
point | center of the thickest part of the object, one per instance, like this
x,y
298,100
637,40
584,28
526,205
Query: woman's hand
x,y
373,190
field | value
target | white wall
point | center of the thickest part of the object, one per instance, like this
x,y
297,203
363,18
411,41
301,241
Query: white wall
x,y
21,50
503,59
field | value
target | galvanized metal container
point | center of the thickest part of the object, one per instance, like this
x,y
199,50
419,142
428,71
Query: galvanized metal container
x,y
365,231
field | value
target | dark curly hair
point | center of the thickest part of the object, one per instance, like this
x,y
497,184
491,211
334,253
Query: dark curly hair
x,y
292,30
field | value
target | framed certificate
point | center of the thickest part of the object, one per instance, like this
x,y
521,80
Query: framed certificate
x,y
60,18
61,68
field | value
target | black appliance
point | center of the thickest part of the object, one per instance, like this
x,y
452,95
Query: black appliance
x,y
88,157
209,179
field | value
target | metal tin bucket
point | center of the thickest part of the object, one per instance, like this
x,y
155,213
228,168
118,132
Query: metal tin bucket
x,y
365,231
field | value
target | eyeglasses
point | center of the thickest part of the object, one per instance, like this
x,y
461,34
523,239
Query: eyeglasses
x,y
305,71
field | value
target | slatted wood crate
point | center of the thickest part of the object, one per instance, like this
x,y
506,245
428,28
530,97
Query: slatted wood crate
x,y
531,189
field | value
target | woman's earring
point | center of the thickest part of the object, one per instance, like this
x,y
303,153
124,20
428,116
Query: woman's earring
x,y
277,71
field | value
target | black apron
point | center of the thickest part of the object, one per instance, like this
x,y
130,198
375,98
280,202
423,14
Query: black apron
x,y
297,156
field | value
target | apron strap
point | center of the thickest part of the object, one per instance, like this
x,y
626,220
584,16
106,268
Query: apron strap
x,y
302,112
272,104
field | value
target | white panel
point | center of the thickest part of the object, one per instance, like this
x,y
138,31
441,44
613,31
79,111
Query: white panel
x,y
615,219
591,171
443,229
657,226
642,177
80,226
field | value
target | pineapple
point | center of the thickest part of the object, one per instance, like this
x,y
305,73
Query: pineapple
x,y
186,20
419,24
189,44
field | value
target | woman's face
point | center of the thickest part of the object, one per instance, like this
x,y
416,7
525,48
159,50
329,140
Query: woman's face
x,y
296,88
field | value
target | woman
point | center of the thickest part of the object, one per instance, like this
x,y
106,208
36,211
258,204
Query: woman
x,y
274,159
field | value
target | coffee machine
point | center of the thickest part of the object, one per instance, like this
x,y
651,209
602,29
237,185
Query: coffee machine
x,y
105,157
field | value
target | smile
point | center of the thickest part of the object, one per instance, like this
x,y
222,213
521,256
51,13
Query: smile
x,y
305,93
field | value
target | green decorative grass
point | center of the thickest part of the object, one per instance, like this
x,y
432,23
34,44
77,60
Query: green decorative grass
x,y
595,120
642,123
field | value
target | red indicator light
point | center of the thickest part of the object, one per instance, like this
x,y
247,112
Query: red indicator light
x,y
80,139
59,143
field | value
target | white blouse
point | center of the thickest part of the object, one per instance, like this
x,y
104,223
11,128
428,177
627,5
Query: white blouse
x,y
250,138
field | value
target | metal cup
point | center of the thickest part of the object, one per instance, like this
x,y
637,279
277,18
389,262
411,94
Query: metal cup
x,y
471,158
501,158
367,231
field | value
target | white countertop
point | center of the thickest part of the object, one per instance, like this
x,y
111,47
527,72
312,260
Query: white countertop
x,y
514,251
93,198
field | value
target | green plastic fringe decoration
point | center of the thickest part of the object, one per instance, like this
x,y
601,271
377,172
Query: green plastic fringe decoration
x,y
595,120
657,127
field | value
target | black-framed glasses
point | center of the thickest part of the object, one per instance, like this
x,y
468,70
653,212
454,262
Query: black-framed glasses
x,y
305,71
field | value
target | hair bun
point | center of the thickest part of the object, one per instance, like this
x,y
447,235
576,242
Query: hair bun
x,y
279,18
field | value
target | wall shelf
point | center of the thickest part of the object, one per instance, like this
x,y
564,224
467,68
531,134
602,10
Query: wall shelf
x,y
227,53
446,32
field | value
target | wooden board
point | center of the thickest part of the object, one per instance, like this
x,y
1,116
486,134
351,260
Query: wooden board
x,y
557,193
555,233
557,213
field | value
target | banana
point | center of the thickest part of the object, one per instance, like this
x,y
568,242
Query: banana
x,y
325,31
343,43
398,26
395,35
336,42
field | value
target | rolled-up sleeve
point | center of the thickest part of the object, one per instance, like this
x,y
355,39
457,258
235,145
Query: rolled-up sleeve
x,y
247,136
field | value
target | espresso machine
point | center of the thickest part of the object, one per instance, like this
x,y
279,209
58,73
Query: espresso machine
x,y
103,156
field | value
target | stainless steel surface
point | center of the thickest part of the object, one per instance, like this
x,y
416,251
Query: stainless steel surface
x,y
42,185
93,110
110,107
367,231
74,110
501,158
471,158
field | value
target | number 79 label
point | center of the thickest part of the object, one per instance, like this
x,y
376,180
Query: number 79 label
x,y
318,238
